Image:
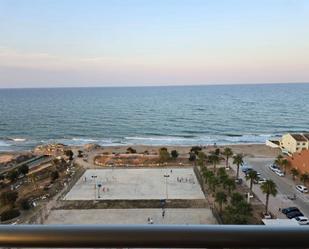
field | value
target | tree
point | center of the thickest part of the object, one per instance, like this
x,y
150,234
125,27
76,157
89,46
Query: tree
x,y
238,160
174,154
236,198
207,175
9,214
9,198
285,163
227,153
164,154
69,153
131,150
304,178
221,198
214,159
196,149
25,205
268,188
213,183
278,160
201,159
252,176
54,175
192,157
12,175
239,211
24,169
80,153
294,173
222,175
229,184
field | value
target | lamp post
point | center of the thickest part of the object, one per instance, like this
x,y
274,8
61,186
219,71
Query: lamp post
x,y
95,184
166,176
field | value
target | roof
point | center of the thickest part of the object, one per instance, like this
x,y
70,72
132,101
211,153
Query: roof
x,y
300,160
299,137
280,222
306,135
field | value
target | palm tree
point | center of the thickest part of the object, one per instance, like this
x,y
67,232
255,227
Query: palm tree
x,y
222,175
304,178
201,159
238,160
214,159
221,198
268,188
294,173
252,176
227,153
207,175
213,182
278,160
229,184
285,163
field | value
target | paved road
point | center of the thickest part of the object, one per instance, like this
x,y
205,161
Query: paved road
x,y
285,185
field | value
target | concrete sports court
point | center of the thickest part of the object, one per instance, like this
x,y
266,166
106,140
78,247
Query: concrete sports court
x,y
135,184
132,216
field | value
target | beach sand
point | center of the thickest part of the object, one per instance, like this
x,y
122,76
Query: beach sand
x,y
249,150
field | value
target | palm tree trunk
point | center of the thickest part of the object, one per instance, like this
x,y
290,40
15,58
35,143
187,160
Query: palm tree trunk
x,y
227,161
266,205
251,185
237,174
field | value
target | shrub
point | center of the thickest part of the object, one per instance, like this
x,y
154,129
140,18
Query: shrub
x,y
131,150
192,157
174,154
196,149
25,205
54,175
164,154
12,175
8,198
23,170
10,214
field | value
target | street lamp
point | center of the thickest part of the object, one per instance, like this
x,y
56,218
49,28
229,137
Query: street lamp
x,y
95,184
166,176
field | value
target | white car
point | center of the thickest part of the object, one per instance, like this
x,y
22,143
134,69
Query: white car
x,y
302,188
302,220
273,167
262,180
279,173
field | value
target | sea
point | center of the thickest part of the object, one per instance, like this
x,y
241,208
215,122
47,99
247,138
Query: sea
x,y
169,115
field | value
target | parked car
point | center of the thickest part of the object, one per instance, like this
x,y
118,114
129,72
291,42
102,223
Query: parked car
x,y
262,180
279,173
302,188
246,169
294,214
290,209
274,167
302,220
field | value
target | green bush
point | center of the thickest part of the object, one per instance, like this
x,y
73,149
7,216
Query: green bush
x,y
25,205
10,214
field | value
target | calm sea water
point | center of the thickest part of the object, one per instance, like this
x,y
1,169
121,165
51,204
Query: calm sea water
x,y
151,115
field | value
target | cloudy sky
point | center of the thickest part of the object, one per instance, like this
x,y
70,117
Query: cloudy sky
x,y
54,43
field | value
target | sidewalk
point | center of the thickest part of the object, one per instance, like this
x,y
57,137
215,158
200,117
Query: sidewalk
x,y
274,202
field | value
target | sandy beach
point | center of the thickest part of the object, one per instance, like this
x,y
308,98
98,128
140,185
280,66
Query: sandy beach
x,y
249,150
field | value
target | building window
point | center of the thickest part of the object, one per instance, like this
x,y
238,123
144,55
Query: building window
x,y
304,143
298,143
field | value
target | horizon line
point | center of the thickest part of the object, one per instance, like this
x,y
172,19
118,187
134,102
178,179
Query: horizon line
x,y
159,85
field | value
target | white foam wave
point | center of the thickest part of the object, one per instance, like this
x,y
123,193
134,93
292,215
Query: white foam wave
x,y
18,139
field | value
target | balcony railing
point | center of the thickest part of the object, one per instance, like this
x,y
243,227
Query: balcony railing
x,y
150,236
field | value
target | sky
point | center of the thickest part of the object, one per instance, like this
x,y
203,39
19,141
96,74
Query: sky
x,y
56,43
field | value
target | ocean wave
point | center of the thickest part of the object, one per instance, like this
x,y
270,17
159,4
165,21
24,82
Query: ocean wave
x,y
18,139
177,140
